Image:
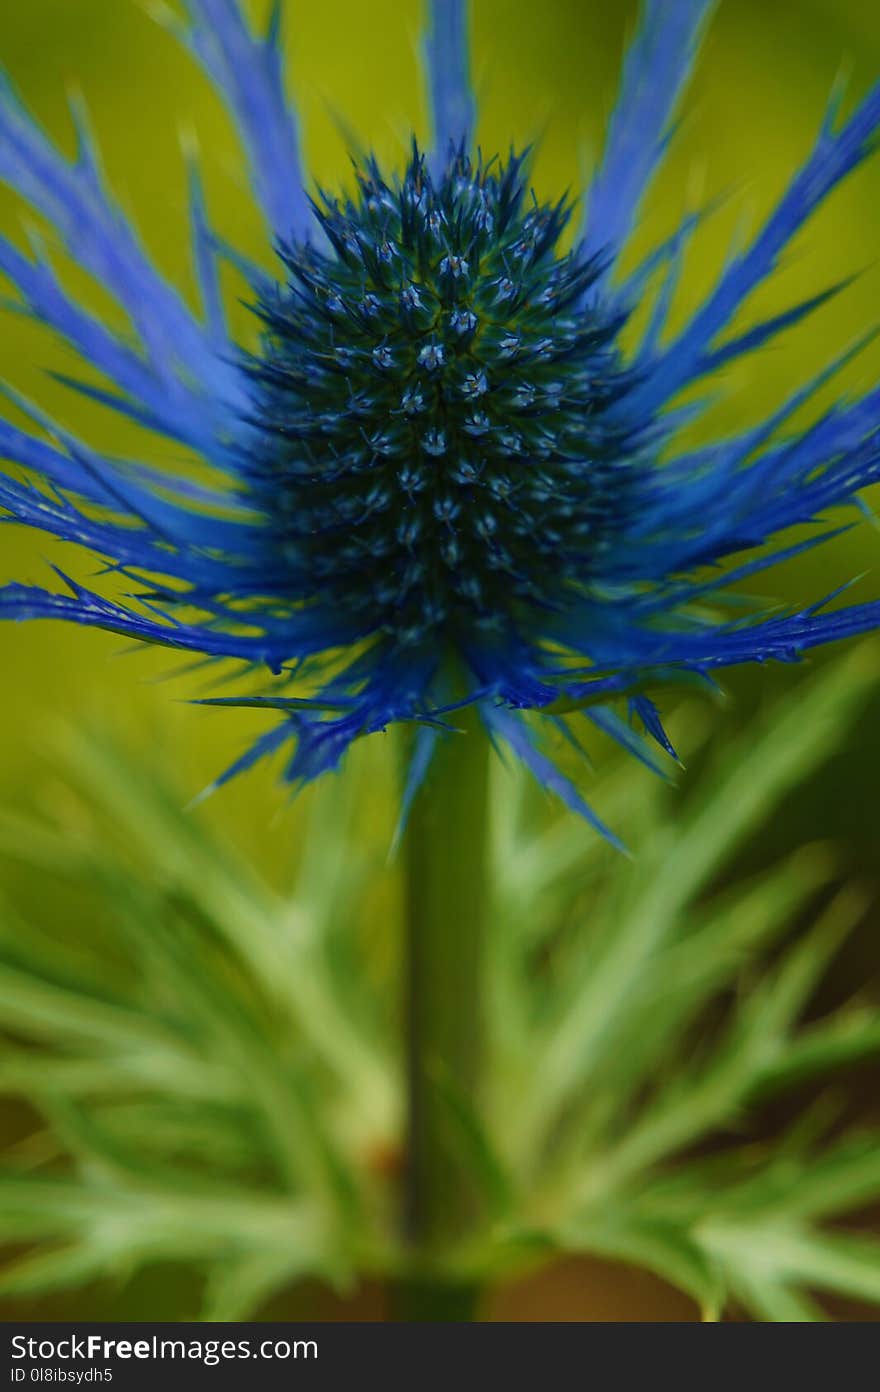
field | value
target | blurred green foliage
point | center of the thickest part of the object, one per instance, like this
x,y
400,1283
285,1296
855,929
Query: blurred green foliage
x,y
136,920
209,1069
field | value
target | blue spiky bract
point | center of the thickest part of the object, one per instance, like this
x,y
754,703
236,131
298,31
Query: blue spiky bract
x,y
448,483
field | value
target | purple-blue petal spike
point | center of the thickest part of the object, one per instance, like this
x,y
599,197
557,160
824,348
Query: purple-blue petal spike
x,y
656,69
453,108
72,196
249,72
834,156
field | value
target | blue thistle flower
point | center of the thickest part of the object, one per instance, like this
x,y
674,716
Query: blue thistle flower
x,y
448,482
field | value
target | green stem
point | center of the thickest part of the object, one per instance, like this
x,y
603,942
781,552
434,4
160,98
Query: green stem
x,y
433,1302
445,899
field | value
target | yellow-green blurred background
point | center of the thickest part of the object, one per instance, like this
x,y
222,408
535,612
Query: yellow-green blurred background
x,y
545,73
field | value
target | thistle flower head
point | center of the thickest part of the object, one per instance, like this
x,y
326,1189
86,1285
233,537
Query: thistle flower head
x,y
438,458
447,480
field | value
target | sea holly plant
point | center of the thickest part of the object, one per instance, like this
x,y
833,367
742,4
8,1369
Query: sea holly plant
x,y
450,492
